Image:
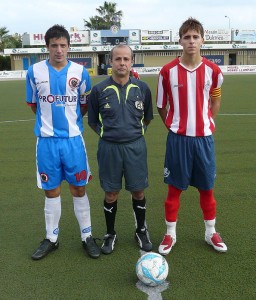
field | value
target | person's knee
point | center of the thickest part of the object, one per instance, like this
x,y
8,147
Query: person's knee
x,y
77,191
138,195
52,193
111,197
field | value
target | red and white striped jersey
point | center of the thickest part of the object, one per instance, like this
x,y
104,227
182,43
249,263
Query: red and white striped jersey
x,y
134,73
188,94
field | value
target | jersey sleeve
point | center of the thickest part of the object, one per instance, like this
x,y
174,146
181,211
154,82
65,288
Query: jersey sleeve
x,y
161,95
220,79
30,88
85,88
148,108
93,108
217,82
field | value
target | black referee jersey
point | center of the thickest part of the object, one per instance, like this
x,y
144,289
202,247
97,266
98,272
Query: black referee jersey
x,y
118,111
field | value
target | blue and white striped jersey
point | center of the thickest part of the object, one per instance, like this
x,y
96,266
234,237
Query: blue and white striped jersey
x,y
58,96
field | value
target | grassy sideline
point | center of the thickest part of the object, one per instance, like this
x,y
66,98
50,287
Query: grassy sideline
x,y
196,270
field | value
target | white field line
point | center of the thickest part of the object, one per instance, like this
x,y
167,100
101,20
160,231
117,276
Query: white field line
x,y
15,121
28,120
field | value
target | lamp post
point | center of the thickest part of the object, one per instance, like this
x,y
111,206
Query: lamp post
x,y
228,21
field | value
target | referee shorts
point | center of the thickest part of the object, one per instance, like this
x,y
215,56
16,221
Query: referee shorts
x,y
190,161
118,160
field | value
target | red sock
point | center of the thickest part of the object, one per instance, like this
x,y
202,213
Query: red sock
x,y
208,204
172,204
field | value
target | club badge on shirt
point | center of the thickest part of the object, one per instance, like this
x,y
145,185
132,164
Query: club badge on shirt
x,y
139,105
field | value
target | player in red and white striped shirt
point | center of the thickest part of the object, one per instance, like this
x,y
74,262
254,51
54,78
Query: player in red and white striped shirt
x,y
134,73
188,99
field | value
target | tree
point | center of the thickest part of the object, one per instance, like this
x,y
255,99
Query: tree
x,y
3,32
9,41
108,16
5,63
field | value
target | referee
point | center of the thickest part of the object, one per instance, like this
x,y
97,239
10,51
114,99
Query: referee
x,y
119,111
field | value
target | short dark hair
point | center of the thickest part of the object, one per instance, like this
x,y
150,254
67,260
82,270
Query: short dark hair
x,y
191,24
56,31
119,46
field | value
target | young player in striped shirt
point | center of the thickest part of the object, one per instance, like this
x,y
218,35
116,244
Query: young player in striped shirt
x,y
57,91
188,100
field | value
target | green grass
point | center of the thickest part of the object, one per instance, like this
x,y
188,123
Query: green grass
x,y
196,270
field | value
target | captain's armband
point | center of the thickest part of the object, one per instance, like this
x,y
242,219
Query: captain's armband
x,y
216,93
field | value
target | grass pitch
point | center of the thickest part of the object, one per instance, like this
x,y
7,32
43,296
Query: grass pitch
x,y
196,270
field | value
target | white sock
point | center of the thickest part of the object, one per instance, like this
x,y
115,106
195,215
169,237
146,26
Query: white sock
x,y
171,229
209,227
83,215
52,212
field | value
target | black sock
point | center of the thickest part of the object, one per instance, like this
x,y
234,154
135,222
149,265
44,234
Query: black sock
x,y
110,216
139,208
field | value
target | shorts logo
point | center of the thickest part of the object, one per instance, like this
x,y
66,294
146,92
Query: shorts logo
x,y
166,172
73,82
139,105
44,177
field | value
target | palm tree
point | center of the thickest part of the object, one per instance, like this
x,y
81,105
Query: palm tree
x,y
9,41
108,16
3,32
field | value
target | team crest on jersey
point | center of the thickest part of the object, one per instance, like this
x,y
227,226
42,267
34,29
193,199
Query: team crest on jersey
x,y
73,82
207,85
139,105
44,177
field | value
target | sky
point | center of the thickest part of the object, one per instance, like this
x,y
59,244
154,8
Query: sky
x,y
33,16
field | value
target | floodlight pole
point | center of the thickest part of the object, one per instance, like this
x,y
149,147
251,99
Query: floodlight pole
x,y
228,21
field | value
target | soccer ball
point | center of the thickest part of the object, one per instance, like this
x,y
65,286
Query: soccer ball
x,y
152,269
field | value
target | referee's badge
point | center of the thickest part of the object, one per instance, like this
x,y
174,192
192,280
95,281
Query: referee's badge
x,y
139,105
